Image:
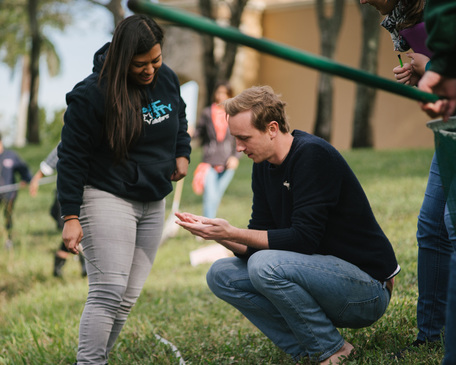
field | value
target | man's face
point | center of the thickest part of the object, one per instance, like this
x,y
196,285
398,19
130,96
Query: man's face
x,y
255,144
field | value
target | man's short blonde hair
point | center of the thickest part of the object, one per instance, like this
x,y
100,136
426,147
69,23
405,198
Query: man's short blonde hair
x,y
265,105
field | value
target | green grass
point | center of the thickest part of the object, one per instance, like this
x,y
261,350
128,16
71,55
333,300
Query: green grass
x,y
39,314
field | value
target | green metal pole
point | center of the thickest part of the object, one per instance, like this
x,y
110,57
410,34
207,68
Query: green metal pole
x,y
324,64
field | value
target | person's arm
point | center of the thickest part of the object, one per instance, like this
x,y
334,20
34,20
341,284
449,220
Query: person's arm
x,y
440,19
80,133
404,74
410,73
21,167
220,230
418,62
183,148
181,168
232,163
72,233
35,182
47,167
433,82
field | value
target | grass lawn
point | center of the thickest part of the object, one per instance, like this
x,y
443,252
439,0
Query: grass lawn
x,y
39,314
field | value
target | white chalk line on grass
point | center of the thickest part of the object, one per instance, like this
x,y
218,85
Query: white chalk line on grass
x,y
17,186
174,348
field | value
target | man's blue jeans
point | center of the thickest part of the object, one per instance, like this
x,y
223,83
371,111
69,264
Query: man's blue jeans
x,y
435,247
298,300
215,185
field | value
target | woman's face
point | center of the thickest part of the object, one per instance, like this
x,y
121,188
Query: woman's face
x,y
384,7
144,66
221,94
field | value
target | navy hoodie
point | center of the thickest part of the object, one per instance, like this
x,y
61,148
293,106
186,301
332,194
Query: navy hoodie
x,y
86,159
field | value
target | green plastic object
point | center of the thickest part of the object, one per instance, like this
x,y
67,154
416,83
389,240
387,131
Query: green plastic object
x,y
231,34
445,149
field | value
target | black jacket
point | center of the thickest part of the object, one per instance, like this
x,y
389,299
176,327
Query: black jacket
x,y
86,159
314,204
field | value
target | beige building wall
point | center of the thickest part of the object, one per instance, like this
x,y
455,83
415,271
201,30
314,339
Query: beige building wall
x,y
397,121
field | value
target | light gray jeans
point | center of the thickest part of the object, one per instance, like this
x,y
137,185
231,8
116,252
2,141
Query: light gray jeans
x,y
121,237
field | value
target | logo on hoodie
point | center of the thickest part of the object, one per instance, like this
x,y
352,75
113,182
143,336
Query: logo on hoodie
x,y
156,112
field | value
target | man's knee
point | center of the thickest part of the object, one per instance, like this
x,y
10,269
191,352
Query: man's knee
x,y
261,268
215,276
223,273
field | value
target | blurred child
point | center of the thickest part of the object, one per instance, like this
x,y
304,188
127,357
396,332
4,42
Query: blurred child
x,y
10,164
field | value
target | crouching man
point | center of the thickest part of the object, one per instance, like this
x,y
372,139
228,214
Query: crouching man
x,y
313,257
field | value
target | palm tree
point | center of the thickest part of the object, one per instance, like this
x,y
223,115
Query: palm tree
x,y
22,38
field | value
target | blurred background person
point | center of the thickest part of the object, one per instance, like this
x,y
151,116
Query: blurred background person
x,y
440,18
405,21
220,159
10,165
47,168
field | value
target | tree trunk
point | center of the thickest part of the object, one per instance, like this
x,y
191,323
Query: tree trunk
x,y
329,30
115,7
365,96
210,67
117,11
227,62
33,123
219,70
21,130
324,107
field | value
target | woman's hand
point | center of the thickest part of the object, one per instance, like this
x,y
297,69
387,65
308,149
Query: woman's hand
x,y
418,62
72,234
181,169
405,75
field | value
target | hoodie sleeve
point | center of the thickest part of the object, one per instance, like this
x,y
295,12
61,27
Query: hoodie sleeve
x,y
80,132
183,148
440,19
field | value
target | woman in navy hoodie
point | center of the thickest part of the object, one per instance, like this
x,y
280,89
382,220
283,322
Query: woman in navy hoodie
x,y
124,140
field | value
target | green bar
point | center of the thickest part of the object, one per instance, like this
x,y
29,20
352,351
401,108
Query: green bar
x,y
324,64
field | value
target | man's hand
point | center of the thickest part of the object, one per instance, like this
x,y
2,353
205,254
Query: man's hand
x,y
433,82
209,229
